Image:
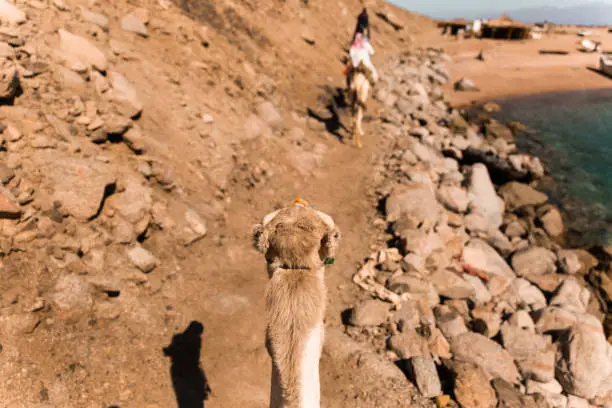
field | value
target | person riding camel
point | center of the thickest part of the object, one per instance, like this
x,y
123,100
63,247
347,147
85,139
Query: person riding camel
x,y
360,53
363,25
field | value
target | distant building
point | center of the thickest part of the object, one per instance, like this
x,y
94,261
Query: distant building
x,y
507,29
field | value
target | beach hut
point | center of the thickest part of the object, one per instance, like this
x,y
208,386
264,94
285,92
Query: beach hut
x,y
506,28
453,27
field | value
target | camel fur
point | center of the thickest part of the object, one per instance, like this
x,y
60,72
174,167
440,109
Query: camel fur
x,y
296,241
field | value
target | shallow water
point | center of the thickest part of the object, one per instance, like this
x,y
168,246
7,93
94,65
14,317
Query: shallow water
x,y
573,137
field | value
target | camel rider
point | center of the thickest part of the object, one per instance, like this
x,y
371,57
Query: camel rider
x,y
363,25
360,52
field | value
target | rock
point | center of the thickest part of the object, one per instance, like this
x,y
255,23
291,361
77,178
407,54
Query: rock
x,y
524,293
451,285
569,261
18,325
123,231
133,24
577,402
409,344
491,107
135,140
125,95
500,242
416,202
533,352
369,313
255,127
136,200
548,283
496,130
518,195
587,260
142,259
438,345
584,352
195,228
68,77
8,208
10,13
481,293
450,322
426,376
479,257
527,164
117,125
72,296
507,395
571,296
466,85
522,320
485,322
472,387
453,198
551,391
77,49
415,289
80,185
490,356
95,18
6,173
534,261
485,203
550,218
269,114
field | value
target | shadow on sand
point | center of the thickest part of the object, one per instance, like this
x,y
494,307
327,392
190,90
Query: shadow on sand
x,y
188,378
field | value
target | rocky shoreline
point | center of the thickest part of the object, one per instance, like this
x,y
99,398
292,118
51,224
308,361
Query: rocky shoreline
x,y
472,292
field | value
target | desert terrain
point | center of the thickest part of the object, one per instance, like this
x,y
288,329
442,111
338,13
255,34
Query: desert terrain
x,y
142,140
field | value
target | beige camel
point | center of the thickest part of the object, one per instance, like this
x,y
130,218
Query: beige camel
x,y
297,242
359,89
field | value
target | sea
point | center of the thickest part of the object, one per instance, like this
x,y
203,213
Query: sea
x,y
571,132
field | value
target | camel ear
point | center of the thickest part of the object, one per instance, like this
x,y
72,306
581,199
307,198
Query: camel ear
x,y
329,243
260,238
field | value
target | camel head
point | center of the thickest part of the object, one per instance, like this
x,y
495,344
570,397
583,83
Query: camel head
x,y
297,237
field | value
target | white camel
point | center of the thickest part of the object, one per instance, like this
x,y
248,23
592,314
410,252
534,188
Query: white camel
x,y
297,242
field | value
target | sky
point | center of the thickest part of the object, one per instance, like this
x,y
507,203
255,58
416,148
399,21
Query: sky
x,y
449,8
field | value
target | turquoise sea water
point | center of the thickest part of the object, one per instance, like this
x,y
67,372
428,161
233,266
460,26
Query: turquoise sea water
x,y
573,137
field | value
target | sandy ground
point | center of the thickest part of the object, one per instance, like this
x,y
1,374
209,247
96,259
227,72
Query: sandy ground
x,y
513,68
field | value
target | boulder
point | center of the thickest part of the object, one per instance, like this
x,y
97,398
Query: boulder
x,y
79,185
485,203
534,261
77,50
551,391
550,219
136,200
124,94
518,195
485,353
584,352
481,293
451,285
415,289
577,402
11,13
569,261
449,321
195,227
472,387
453,198
507,395
485,321
479,257
132,23
533,352
371,312
409,344
426,376
496,130
416,202
571,296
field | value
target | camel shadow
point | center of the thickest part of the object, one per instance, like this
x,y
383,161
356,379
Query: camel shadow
x,y
188,378
335,102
